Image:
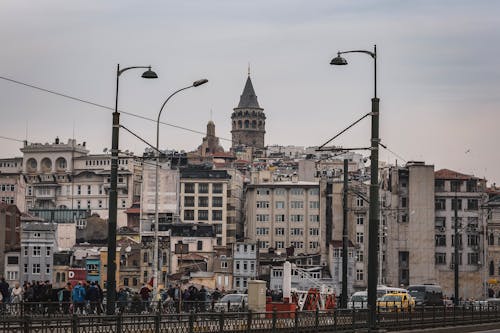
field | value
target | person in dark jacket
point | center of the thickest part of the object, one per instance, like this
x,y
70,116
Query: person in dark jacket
x,y
93,297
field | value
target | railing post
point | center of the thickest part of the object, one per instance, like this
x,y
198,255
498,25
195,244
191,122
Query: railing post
x,y
157,322
335,319
221,322
249,321
26,324
353,320
119,322
422,317
274,321
296,320
74,323
191,322
317,319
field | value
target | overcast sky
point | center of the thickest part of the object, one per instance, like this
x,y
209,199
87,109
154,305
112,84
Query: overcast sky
x,y
438,68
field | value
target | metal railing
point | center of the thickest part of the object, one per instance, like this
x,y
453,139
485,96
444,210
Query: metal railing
x,y
246,322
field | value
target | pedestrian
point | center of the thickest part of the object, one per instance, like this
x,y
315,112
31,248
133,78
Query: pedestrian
x,y
145,293
78,295
93,297
4,290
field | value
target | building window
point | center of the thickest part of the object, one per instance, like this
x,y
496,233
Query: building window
x,y
217,215
262,218
454,203
280,204
223,264
264,244
440,240
359,201
279,231
473,258
473,240
124,204
100,203
297,204
297,191
263,191
36,269
296,231
79,189
404,202
199,245
189,215
472,204
360,237
279,218
135,282
189,188
202,188
37,251
262,231
459,258
440,258
359,255
297,245
25,251
314,191
25,268
313,204
360,219
279,245
313,218
237,265
47,269
217,188
203,201
189,201
262,204
360,275
440,204
88,204
440,222
48,251
216,201
12,260
78,204
313,245
459,240
297,218
313,231
279,191
12,275
203,215
439,185
455,185
89,189
145,257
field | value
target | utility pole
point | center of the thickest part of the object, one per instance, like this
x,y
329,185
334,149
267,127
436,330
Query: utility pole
x,y
345,237
457,259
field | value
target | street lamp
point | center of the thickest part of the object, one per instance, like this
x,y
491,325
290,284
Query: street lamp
x,y
374,192
157,151
113,195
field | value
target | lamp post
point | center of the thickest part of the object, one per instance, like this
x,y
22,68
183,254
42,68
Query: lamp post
x,y
374,191
113,195
157,189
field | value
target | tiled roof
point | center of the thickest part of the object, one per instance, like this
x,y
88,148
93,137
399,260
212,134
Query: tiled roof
x,y
248,98
450,174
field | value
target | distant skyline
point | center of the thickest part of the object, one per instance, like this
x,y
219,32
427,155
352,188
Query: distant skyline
x,y
439,77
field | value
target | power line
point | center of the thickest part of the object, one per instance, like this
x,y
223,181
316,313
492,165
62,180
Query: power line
x,y
11,139
103,106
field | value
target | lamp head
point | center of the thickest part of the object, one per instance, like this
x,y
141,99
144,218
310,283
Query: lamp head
x,y
149,74
338,60
199,82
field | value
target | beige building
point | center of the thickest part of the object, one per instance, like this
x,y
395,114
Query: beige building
x,y
406,234
468,194
493,242
285,214
204,199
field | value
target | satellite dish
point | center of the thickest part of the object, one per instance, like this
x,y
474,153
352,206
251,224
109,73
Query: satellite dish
x,y
105,150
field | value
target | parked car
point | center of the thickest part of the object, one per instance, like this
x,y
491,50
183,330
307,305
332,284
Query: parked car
x,y
396,302
237,302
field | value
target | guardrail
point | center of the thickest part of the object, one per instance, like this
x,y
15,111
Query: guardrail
x,y
248,322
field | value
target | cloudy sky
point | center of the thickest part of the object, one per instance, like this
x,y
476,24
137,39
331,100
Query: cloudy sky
x,y
438,68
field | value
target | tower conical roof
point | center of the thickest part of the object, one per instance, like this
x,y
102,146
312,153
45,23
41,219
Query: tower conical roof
x,y
248,99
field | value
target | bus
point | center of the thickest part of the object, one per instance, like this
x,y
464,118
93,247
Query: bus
x,y
426,294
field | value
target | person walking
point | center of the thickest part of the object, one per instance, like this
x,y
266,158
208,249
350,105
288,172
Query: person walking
x,y
78,295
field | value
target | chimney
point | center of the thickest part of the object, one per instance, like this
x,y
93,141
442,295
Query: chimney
x,y
295,178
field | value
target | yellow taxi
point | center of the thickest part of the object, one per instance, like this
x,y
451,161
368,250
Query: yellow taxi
x,y
396,302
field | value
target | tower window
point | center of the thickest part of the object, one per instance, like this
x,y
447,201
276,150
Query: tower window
x,y
239,124
247,123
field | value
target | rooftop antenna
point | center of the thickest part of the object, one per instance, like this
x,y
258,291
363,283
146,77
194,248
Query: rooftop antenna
x,y
211,115
249,68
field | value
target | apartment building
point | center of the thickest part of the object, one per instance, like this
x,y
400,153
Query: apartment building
x,y
65,176
10,223
38,244
244,264
204,199
285,214
407,227
465,195
493,241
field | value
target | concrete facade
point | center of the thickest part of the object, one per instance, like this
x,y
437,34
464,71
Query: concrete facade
x,y
38,244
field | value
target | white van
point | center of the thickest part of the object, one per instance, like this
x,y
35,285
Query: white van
x,y
358,300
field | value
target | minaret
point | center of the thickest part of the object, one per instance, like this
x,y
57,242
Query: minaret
x,y
248,120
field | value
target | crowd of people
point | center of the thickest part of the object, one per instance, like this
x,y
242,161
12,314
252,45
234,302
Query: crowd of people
x,y
87,297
